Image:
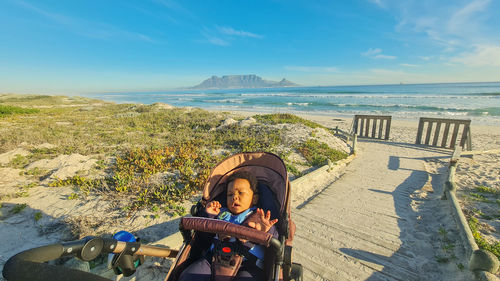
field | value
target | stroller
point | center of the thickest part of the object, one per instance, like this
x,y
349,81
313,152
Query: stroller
x,y
274,195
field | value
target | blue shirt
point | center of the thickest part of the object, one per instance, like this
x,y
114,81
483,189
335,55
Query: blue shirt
x,y
226,215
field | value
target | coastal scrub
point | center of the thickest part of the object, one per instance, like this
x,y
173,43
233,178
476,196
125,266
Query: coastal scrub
x,y
152,154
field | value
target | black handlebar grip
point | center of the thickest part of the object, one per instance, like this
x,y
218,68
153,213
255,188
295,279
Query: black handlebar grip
x,y
28,265
42,254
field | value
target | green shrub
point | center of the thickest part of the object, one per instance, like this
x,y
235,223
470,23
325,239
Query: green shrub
x,y
8,110
478,197
292,169
282,118
73,196
38,216
18,208
318,153
19,161
485,189
481,242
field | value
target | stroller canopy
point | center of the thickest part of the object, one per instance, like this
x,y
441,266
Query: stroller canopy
x,y
269,169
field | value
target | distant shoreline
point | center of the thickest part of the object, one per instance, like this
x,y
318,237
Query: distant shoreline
x,y
479,102
302,86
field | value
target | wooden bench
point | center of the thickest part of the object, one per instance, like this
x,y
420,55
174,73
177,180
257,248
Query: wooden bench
x,y
363,123
434,134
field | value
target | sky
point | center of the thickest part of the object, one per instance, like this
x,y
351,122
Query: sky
x,y
84,46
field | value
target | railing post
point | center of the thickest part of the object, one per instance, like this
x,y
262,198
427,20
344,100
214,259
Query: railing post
x,y
469,140
354,142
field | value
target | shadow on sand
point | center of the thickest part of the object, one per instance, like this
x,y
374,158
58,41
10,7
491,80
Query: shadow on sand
x,y
411,261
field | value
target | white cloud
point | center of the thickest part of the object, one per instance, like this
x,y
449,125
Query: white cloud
x,y
377,54
451,24
387,72
466,16
378,3
387,57
232,32
482,55
312,68
217,41
371,52
224,35
409,65
424,58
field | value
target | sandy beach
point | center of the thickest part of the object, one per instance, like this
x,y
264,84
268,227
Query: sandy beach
x,y
46,212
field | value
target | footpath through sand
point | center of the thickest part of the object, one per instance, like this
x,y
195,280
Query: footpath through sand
x,y
382,220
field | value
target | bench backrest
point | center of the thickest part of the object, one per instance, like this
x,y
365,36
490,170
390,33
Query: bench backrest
x,y
372,126
432,134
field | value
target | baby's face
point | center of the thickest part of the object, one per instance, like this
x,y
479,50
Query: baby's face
x,y
240,196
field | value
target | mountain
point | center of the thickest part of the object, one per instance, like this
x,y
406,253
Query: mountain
x,y
241,81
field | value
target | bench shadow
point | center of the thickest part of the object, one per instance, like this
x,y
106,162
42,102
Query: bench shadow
x,y
422,147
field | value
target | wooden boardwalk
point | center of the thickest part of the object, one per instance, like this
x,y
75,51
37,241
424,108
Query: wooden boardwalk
x,y
380,221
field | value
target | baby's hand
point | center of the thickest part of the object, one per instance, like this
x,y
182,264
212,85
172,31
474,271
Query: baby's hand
x,y
213,208
261,221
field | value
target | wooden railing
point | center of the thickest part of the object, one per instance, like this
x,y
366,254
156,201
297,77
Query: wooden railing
x,y
363,123
434,133
347,137
479,261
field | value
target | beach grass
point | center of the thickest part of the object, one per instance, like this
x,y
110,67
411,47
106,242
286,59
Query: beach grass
x,y
151,154
280,118
481,242
8,109
318,153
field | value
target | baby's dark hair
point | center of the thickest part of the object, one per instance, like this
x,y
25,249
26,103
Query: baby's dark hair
x,y
244,175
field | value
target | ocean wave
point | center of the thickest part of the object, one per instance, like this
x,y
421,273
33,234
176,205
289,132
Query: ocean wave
x,y
486,94
490,111
240,101
371,96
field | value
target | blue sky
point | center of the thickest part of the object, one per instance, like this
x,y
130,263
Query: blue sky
x,y
53,46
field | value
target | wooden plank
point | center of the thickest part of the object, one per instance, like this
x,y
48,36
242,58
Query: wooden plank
x,y
429,131
464,136
374,127
361,126
456,155
388,128
372,116
436,134
469,140
367,128
419,131
380,127
475,152
454,136
445,134
461,121
355,124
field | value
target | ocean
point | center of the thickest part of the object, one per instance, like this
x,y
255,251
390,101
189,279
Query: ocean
x,y
477,101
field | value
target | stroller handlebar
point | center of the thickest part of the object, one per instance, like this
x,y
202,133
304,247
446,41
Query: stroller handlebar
x,y
30,264
231,229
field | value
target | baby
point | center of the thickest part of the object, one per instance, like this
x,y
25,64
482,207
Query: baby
x,y
241,199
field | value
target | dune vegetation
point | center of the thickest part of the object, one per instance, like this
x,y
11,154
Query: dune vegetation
x,y
156,154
